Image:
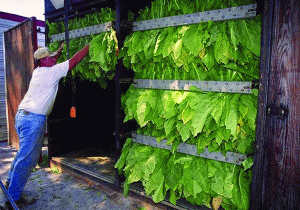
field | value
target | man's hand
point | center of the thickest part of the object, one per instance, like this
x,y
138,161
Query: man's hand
x,y
61,46
58,52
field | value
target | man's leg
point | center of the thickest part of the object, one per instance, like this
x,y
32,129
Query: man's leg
x,y
16,157
31,130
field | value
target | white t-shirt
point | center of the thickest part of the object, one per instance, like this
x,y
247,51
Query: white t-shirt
x,y
43,88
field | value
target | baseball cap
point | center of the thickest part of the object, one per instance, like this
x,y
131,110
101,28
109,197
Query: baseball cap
x,y
43,53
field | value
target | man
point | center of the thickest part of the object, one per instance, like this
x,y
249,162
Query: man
x,y
31,117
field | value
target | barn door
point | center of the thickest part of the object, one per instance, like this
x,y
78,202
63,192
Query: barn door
x,y
20,44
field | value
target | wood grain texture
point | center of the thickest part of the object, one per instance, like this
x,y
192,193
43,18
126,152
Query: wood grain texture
x,y
19,65
276,182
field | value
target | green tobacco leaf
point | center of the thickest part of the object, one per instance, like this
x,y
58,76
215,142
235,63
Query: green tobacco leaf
x,y
97,48
213,35
203,112
213,4
213,146
209,58
218,110
217,177
248,163
233,34
136,173
149,166
182,60
173,173
143,109
198,73
150,44
223,49
249,101
241,188
192,40
159,193
179,96
169,109
156,179
249,32
244,139
156,183
169,125
159,46
183,130
224,133
228,177
138,42
121,162
168,42
244,55
232,116
204,140
236,3
200,174
187,114
182,31
184,159
141,113
173,198
177,48
200,116
187,180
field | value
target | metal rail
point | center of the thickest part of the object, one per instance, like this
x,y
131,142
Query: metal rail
x,y
230,157
96,29
247,11
241,12
210,86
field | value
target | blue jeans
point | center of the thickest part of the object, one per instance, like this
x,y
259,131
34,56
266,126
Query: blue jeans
x,y
30,128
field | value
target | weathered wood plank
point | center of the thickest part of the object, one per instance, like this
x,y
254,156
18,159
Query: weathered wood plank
x,y
19,65
276,182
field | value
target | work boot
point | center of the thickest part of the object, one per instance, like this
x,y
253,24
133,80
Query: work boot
x,y
22,202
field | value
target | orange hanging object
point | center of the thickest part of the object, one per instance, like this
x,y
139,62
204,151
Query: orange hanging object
x,y
73,112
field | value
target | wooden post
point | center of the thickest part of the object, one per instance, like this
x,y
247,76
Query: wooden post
x,y
19,65
119,18
276,177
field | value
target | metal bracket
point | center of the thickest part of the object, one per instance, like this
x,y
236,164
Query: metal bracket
x,y
280,111
247,11
96,29
230,157
210,86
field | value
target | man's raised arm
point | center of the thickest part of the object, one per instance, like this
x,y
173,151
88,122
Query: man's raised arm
x,y
79,56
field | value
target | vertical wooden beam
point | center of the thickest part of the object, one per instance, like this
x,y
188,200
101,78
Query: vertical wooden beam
x,y
276,183
119,17
19,65
34,41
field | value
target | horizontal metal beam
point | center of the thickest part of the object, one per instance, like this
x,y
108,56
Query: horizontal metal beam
x,y
96,29
230,157
241,12
209,86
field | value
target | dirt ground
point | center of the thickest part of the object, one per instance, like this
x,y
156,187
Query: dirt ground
x,y
55,190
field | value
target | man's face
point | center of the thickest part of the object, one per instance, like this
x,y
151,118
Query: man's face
x,y
47,62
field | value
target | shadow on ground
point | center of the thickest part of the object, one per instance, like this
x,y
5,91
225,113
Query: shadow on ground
x,y
61,191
